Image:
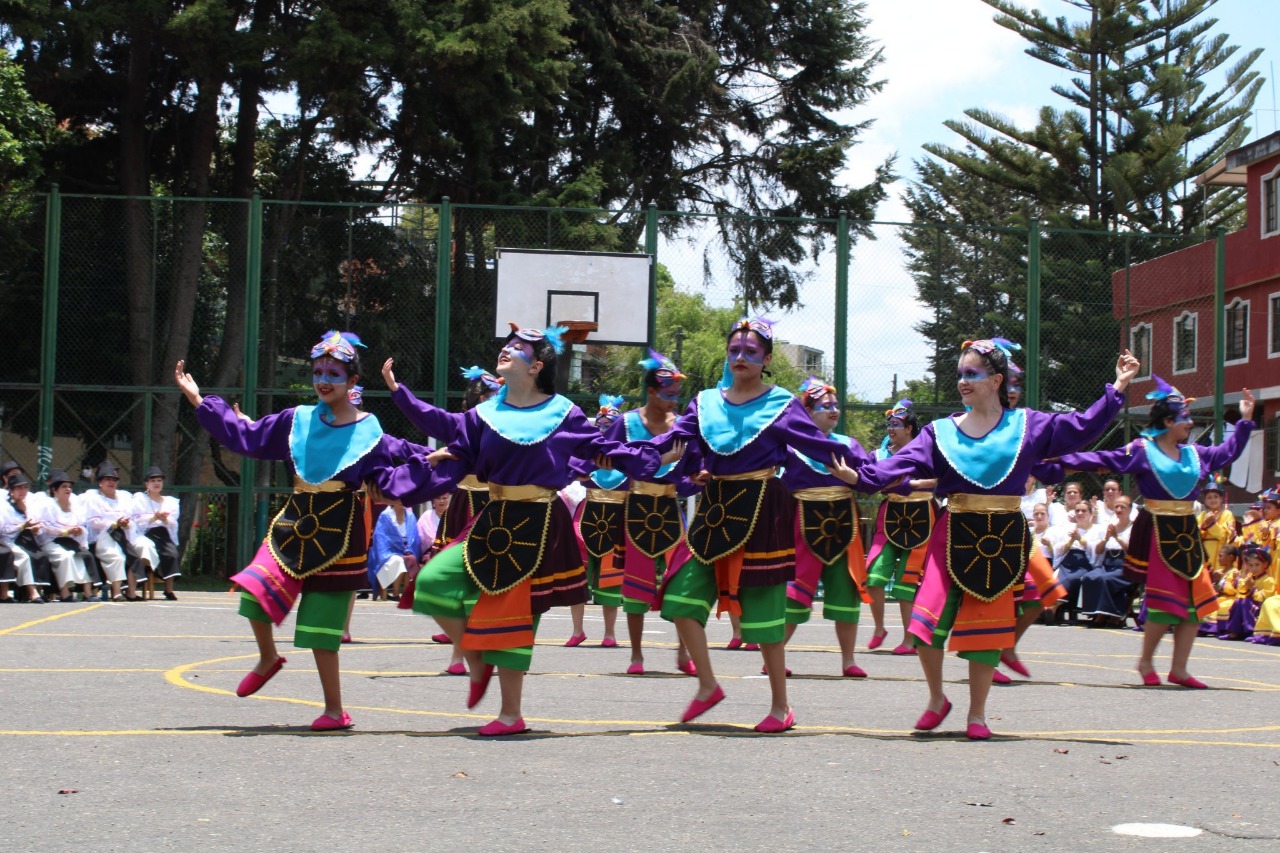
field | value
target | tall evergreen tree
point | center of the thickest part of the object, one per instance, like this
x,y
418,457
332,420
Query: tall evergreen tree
x,y
1141,118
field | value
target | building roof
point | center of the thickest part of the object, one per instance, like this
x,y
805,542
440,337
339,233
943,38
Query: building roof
x,y
1231,171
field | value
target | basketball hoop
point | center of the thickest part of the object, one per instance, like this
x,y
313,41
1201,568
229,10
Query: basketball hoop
x,y
578,330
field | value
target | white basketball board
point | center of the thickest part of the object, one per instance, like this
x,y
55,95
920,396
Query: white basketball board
x,y
539,288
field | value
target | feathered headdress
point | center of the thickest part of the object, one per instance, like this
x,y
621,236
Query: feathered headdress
x,y
340,346
1215,483
813,389
474,372
1176,400
1270,496
664,368
760,325
986,347
610,408
554,335
899,410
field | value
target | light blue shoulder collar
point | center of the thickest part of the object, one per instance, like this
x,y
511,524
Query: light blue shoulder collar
x,y
727,428
526,426
320,451
637,431
820,467
1177,477
986,461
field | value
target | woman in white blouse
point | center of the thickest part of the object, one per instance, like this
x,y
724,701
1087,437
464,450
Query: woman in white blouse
x,y
109,515
63,538
28,569
155,516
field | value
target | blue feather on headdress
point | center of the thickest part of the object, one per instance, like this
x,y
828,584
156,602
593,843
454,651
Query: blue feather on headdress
x,y
555,336
611,401
473,372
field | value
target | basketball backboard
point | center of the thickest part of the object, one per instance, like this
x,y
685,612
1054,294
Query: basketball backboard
x,y
614,290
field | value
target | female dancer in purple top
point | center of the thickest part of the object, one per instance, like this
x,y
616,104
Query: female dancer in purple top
x,y
520,557
742,538
315,548
1165,543
979,545
828,542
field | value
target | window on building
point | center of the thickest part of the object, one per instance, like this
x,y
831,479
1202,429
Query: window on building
x,y
813,361
1184,342
1273,337
1238,330
1140,346
1271,204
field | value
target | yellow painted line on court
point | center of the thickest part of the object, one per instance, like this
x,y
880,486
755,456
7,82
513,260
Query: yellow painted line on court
x,y
114,733
63,615
79,669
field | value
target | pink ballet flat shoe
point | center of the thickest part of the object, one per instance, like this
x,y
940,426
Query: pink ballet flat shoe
x,y
751,647
575,640
608,643
877,640
478,687
253,682
764,670
325,723
497,728
698,707
1149,679
772,725
1190,681
854,671
458,668
442,639
904,649
1014,664
735,643
998,677
636,668
346,638
930,720
688,667
977,731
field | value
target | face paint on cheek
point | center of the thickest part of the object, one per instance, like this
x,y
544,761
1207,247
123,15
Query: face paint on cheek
x,y
328,377
518,352
749,354
671,395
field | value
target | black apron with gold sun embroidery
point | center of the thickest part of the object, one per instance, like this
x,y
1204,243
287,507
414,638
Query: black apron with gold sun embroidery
x,y
987,551
312,531
725,518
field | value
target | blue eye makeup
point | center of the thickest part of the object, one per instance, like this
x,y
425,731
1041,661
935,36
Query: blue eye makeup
x,y
518,352
750,355
895,423
330,376
971,374
826,407
669,396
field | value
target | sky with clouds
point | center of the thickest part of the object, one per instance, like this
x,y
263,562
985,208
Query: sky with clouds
x,y
941,57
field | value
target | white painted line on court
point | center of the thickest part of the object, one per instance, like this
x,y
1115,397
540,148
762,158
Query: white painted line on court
x,y
1156,830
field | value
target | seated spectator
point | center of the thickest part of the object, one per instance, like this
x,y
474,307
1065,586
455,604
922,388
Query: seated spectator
x,y
431,527
393,552
1106,595
63,538
1040,530
109,513
27,568
1105,510
155,520
1074,551
1242,592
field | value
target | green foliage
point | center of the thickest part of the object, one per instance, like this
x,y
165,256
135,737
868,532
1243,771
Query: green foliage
x,y
1141,121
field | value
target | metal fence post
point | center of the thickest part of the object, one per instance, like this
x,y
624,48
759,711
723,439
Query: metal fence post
x,y
842,314
444,263
49,332
1033,315
252,529
1127,480
1219,328
651,249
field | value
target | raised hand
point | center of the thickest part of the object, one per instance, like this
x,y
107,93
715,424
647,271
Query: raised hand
x,y
389,376
1246,404
190,389
1127,367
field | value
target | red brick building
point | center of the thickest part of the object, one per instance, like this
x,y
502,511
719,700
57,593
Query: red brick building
x,y
1170,310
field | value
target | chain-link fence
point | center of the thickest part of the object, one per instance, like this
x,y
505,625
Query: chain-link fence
x,y
105,294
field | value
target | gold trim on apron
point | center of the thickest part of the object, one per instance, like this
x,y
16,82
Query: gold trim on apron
x,y
914,497
606,496
653,490
472,483
1168,508
984,503
523,494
